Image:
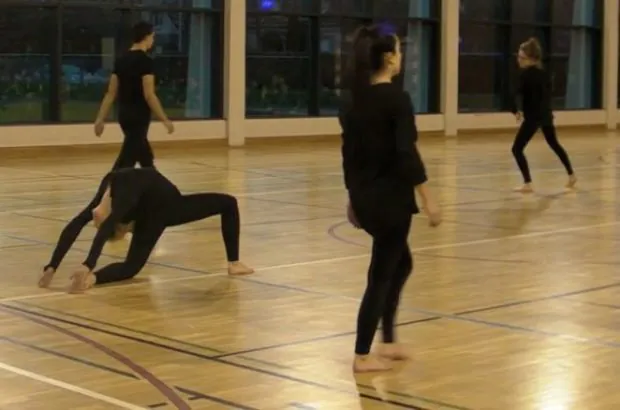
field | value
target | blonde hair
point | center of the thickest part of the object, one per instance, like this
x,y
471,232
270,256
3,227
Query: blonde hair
x,y
532,50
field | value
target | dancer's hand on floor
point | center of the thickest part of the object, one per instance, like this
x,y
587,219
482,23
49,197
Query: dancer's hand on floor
x,y
81,280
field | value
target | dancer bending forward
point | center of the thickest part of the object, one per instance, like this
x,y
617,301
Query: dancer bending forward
x,y
535,92
144,202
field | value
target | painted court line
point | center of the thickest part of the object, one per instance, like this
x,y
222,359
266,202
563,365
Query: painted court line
x,y
301,190
32,296
328,260
70,387
448,245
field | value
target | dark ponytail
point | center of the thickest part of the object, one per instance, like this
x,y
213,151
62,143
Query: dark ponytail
x,y
370,44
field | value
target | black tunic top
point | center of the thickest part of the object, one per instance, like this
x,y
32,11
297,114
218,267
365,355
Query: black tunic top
x,y
533,95
379,151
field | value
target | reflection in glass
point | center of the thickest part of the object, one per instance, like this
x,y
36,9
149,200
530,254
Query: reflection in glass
x,y
88,52
185,45
570,33
25,64
296,63
277,66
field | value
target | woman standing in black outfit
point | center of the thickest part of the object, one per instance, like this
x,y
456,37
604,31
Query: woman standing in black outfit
x,y
381,169
535,92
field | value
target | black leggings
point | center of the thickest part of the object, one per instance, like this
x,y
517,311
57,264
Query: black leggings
x,y
188,208
136,147
390,267
524,136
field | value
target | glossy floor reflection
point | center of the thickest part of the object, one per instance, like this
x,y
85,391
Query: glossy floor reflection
x,y
514,304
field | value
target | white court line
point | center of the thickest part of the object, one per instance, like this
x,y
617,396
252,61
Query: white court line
x,y
287,191
32,296
66,386
338,259
447,245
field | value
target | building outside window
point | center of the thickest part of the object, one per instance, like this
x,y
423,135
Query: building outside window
x,y
297,52
570,32
55,61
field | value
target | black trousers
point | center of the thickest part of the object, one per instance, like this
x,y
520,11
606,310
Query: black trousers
x,y
187,208
390,266
136,147
524,136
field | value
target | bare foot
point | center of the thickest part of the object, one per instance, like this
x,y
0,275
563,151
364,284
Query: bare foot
x,y
572,181
238,268
46,278
81,281
524,189
393,351
369,363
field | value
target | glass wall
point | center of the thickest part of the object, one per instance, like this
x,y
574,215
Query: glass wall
x,y
56,56
570,32
297,51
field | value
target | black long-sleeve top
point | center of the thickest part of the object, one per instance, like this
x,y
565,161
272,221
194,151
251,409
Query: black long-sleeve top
x,y
379,138
532,95
73,229
142,195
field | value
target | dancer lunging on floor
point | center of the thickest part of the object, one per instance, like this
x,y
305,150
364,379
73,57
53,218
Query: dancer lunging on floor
x,y
534,93
381,167
133,83
144,202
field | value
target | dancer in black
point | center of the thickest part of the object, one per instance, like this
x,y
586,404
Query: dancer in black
x,y
133,81
70,233
145,202
381,167
534,91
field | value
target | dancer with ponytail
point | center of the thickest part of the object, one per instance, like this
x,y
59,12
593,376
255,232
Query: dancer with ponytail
x,y
382,168
146,203
534,93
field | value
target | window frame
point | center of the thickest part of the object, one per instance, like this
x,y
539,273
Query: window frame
x,y
507,55
316,17
54,99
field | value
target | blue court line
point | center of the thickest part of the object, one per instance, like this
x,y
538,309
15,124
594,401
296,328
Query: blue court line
x,y
217,352
178,231
233,364
192,394
207,348
458,316
46,243
595,304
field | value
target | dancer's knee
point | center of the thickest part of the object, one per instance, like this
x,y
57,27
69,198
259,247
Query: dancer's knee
x,y
230,202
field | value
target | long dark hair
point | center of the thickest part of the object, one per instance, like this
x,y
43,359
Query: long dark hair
x,y
370,44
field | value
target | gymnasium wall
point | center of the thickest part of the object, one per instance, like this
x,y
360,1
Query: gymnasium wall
x,y
585,103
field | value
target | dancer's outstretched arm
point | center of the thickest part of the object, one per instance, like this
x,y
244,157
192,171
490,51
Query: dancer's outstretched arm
x,y
69,235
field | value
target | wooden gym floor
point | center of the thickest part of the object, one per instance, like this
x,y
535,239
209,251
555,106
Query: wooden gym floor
x,y
514,304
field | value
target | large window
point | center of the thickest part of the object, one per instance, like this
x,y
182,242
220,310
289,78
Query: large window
x,y
490,33
297,52
56,56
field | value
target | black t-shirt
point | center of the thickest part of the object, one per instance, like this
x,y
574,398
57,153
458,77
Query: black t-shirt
x,y
130,68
